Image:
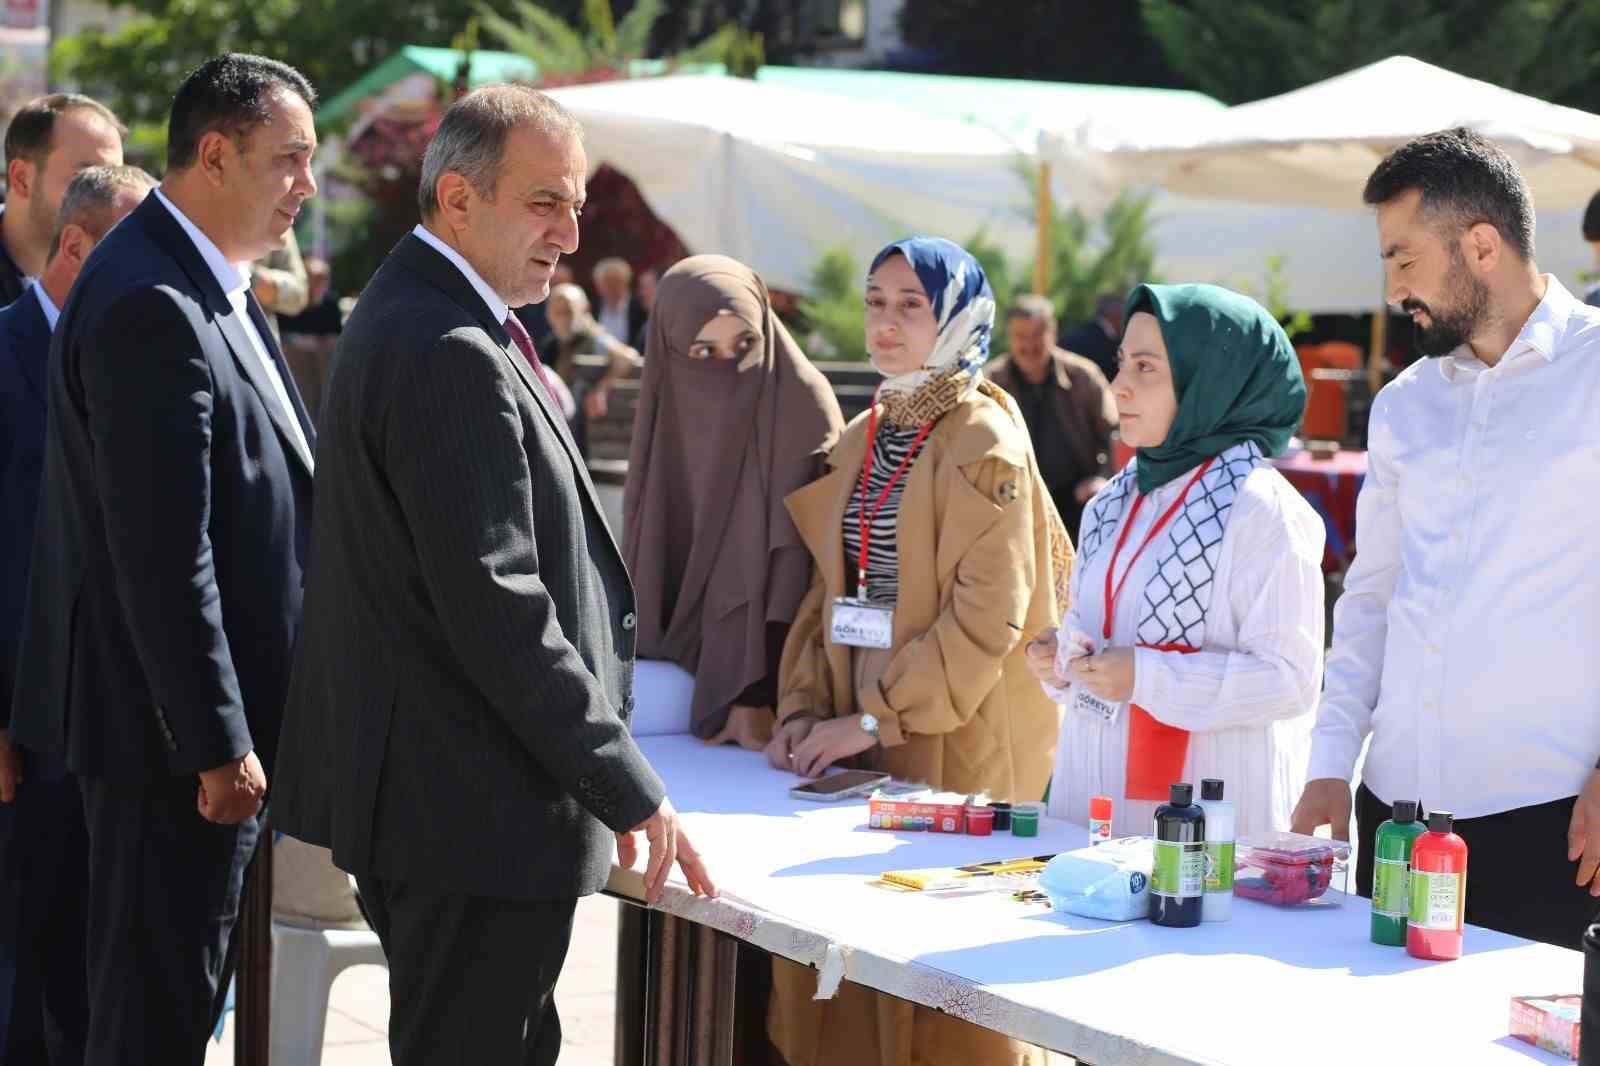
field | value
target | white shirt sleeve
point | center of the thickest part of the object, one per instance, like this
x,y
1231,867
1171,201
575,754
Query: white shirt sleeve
x,y
1273,669
1070,621
1361,617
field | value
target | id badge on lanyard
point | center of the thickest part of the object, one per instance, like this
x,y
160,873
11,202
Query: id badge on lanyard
x,y
860,624
1087,703
857,622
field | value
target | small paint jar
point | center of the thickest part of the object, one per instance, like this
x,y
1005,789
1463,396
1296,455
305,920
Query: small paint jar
x,y
980,821
1025,819
1002,816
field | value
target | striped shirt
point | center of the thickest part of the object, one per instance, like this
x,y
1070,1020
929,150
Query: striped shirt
x,y
883,561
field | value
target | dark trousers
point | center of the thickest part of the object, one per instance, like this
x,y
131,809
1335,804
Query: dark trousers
x,y
164,892
1518,878
471,980
44,860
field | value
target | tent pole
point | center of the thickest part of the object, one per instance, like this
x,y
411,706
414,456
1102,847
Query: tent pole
x,y
1041,255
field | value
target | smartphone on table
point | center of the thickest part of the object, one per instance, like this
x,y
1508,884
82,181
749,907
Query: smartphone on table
x,y
838,786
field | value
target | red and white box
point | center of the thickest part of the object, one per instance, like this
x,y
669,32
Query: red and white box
x,y
931,812
1548,1022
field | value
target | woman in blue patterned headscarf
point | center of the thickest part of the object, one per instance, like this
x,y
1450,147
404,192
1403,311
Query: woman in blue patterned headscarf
x,y
906,655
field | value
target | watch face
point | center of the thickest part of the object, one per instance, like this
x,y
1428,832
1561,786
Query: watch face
x,y
870,724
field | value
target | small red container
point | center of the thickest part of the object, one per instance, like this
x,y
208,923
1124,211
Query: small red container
x,y
1287,868
980,821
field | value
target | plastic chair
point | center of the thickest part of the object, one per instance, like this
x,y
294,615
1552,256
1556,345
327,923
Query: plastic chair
x,y
305,963
317,933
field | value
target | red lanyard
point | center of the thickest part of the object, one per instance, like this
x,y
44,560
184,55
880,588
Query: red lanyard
x,y
867,517
1113,594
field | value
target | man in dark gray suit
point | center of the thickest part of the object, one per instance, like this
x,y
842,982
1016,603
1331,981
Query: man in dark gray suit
x,y
457,727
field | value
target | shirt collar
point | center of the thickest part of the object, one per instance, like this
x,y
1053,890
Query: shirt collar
x,y
233,277
51,312
1542,334
497,307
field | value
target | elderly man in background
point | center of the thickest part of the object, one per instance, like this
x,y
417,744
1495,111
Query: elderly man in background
x,y
622,316
44,847
587,357
49,140
1066,403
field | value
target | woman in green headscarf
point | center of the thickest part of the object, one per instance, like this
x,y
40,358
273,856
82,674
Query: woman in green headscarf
x,y
1193,645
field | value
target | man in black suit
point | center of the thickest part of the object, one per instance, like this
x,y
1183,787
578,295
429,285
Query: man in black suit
x,y
49,140
164,598
457,729
44,847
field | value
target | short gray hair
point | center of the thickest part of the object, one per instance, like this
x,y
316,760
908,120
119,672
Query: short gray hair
x,y
471,138
613,264
1032,306
91,197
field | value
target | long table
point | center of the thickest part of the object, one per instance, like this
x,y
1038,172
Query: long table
x,y
1272,986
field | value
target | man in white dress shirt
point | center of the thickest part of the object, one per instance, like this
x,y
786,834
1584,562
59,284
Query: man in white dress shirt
x,y
1463,642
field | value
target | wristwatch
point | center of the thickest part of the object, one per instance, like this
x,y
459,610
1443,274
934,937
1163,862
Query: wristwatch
x,y
869,724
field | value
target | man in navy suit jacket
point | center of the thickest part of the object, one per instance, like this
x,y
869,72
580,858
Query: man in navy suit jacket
x,y
164,593
44,850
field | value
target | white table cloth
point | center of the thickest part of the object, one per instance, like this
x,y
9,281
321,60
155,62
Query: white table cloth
x,y
1272,986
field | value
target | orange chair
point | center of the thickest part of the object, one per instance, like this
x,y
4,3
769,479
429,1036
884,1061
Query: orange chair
x,y
1326,399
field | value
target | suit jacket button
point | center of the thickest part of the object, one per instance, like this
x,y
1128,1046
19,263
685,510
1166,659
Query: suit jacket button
x,y
628,620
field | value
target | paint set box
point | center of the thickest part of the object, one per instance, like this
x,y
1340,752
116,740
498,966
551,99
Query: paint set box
x,y
928,811
1548,1022
1288,869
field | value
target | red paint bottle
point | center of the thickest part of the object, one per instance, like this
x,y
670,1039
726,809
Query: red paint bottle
x,y
1438,891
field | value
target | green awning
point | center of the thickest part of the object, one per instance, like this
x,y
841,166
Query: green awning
x,y
486,68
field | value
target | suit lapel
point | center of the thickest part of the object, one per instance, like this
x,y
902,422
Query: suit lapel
x,y
34,326
558,424
259,318
426,262
245,356
163,227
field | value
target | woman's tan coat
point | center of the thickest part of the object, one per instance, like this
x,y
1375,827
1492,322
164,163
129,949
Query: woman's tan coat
x,y
956,704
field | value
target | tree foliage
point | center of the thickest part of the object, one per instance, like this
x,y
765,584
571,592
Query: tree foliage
x,y
137,67
559,47
1241,50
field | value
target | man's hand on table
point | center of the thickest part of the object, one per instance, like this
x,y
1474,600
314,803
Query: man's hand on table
x,y
1325,801
780,752
668,844
828,742
748,727
1583,834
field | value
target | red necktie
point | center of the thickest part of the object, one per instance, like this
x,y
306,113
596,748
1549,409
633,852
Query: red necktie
x,y
524,343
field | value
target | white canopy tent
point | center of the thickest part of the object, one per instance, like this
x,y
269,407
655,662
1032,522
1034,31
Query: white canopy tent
x,y
776,176
1295,165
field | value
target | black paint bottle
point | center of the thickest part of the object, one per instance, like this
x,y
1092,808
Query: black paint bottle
x,y
1177,889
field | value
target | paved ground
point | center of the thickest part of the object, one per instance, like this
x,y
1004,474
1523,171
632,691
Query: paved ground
x,y
358,1017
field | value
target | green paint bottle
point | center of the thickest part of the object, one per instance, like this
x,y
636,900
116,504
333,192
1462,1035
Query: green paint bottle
x,y
1391,873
